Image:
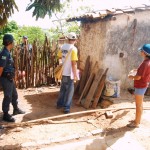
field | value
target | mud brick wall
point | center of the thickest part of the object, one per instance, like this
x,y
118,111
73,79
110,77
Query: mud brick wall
x,y
114,43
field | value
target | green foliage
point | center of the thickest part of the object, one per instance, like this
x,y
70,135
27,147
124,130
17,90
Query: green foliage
x,y
44,7
10,27
56,33
6,10
33,33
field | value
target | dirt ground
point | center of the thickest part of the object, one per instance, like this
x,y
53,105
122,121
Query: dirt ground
x,y
41,103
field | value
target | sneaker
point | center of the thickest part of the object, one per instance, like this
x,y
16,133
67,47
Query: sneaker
x,y
18,111
8,118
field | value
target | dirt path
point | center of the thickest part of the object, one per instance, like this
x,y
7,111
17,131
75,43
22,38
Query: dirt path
x,y
41,102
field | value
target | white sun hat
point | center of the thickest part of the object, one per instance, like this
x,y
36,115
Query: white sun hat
x,y
72,36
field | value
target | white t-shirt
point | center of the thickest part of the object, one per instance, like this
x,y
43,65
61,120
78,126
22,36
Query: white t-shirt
x,y
71,57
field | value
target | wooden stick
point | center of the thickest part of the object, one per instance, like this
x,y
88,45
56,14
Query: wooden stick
x,y
13,125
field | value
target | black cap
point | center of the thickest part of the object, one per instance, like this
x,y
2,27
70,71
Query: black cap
x,y
7,39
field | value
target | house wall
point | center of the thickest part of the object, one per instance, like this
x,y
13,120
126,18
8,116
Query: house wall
x,y
114,43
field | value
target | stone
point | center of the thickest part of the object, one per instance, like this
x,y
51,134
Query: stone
x,y
109,114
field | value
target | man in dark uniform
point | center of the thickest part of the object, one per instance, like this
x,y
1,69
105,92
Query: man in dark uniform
x,y
7,73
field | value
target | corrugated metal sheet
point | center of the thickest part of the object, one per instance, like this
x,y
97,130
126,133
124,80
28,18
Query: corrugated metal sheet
x,y
102,14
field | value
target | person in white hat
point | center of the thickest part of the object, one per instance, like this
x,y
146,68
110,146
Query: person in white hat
x,y
68,55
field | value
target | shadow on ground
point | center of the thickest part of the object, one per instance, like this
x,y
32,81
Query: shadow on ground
x,y
44,105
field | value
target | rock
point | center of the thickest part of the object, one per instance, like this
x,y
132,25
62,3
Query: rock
x,y
108,114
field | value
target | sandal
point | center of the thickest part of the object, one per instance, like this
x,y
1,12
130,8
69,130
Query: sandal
x,y
132,125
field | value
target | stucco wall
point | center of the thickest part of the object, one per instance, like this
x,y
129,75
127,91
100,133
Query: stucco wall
x,y
114,43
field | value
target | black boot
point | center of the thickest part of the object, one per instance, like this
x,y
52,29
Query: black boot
x,y
7,117
18,111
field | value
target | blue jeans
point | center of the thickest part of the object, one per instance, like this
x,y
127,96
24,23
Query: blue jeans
x,y
10,94
66,93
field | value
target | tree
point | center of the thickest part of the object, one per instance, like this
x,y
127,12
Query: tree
x,y
18,32
6,10
41,9
44,7
10,27
32,33
68,9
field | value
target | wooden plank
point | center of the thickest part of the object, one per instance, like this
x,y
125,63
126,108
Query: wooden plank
x,y
88,83
87,86
84,75
93,88
94,71
99,89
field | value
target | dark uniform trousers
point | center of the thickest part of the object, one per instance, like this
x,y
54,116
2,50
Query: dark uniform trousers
x,y
10,94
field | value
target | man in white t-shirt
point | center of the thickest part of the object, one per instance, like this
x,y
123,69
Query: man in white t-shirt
x,y
69,57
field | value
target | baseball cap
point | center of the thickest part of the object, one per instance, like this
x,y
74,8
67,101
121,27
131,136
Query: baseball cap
x,y
72,36
146,49
7,39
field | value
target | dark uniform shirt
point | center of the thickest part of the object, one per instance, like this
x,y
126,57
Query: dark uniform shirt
x,y
6,61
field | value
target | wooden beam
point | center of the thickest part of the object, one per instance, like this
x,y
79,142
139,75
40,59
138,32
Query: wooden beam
x,y
88,83
93,88
99,89
84,75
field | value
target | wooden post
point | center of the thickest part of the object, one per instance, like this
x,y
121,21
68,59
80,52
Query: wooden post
x,y
84,75
88,83
99,89
93,88
32,64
